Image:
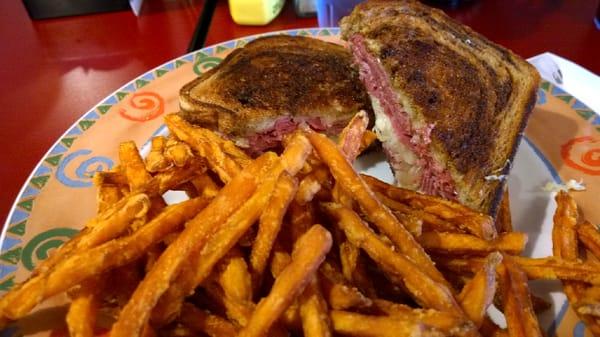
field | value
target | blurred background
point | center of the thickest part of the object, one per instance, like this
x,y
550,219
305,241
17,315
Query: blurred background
x,y
60,57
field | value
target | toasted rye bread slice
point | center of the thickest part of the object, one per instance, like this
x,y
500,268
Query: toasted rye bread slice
x,y
273,77
477,94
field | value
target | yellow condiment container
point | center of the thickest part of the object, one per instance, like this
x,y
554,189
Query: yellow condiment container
x,y
254,12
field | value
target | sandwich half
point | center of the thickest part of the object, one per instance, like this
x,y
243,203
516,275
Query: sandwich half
x,y
266,89
450,105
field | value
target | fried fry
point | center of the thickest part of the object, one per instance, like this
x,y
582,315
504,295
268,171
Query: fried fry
x,y
518,310
431,222
179,154
311,184
443,321
313,311
348,323
548,268
475,223
351,136
205,185
182,268
338,292
280,260
234,277
269,226
309,252
81,317
156,161
193,238
423,288
375,211
565,245
454,243
412,223
237,312
564,236
85,263
368,138
204,322
133,166
590,237
174,176
107,196
228,147
478,294
219,162
205,258
504,218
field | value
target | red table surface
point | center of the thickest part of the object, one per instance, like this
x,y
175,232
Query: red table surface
x,y
55,70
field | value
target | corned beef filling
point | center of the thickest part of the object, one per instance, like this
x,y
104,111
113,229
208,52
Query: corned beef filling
x,y
271,138
434,179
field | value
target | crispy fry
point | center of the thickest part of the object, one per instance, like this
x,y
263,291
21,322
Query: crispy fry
x,y
174,176
430,221
205,185
309,252
133,166
280,260
107,225
81,317
193,238
590,237
343,297
179,154
107,196
548,268
301,218
240,313
518,310
352,135
504,218
565,245
218,161
443,321
338,292
424,289
269,226
207,136
158,265
204,259
156,161
204,322
85,263
313,311
375,211
349,254
348,323
478,294
564,236
115,220
237,312
368,138
234,278
475,223
454,243
311,184
350,144
412,223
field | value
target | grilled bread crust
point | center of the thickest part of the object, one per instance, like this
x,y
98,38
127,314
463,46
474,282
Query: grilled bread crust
x,y
477,94
273,77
